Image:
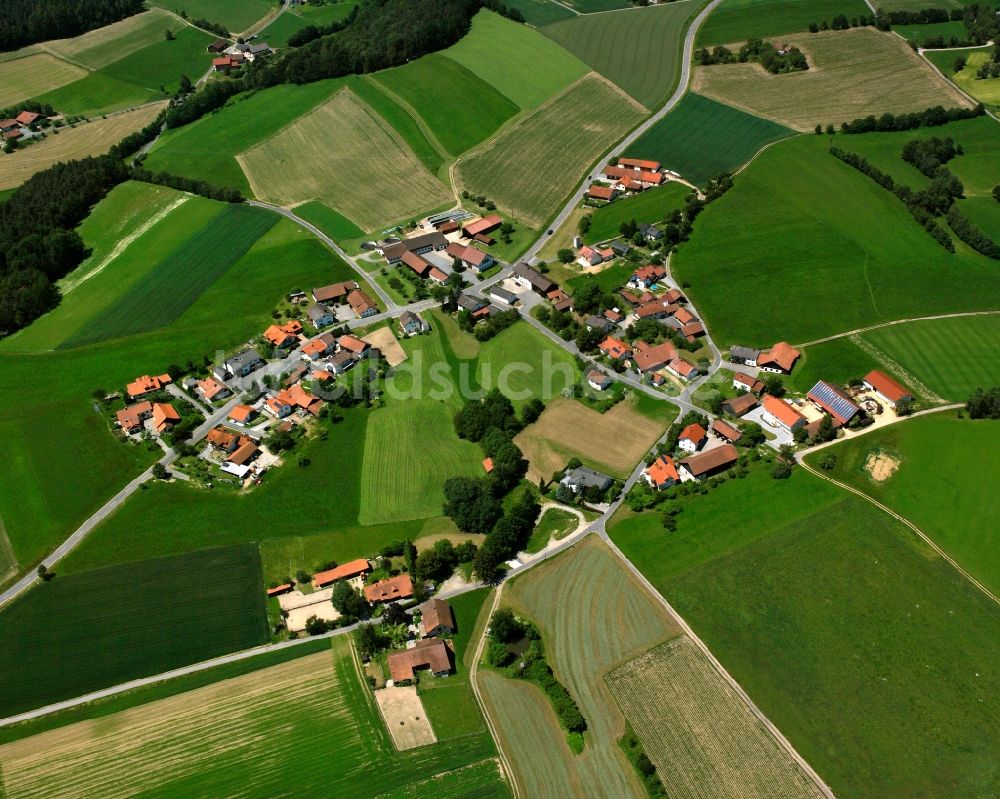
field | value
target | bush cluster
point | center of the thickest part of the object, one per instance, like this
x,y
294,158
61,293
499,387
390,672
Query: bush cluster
x,y
984,404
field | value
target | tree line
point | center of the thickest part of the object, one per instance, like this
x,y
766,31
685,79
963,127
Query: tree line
x,y
29,21
928,118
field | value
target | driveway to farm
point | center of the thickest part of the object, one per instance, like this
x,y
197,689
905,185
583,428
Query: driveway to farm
x,y
682,87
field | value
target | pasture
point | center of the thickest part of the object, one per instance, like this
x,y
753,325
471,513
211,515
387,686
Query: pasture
x,y
78,633
616,440
955,511
180,277
337,226
783,595
372,176
701,138
102,46
523,65
523,364
653,205
318,719
235,16
368,89
295,18
442,91
23,78
97,94
563,130
917,34
595,6
163,63
673,696
639,51
739,20
852,74
836,227
985,91
540,12
586,632
88,138
839,361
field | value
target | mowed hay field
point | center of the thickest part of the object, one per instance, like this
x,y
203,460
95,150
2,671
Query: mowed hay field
x,y
955,512
90,138
639,51
615,440
347,155
78,633
703,739
701,138
986,91
22,78
851,74
309,722
736,20
516,169
103,46
236,15
593,616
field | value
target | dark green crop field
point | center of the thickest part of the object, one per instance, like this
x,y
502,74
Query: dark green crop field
x,y
739,20
79,633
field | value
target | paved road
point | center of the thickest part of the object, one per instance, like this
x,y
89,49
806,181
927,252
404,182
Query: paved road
x,y
624,144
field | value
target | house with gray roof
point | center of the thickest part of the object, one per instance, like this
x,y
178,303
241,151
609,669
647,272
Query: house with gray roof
x,y
320,315
243,362
581,478
744,355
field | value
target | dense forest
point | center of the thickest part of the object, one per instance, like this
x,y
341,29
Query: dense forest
x,y
30,21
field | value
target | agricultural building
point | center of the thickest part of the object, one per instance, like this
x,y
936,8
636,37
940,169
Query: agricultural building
x,y
335,292
885,388
526,276
428,654
417,245
705,464
482,226
345,571
436,618
727,431
649,358
779,359
834,401
737,406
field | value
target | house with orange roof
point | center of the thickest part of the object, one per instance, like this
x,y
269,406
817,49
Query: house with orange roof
x,y
661,473
212,389
345,571
223,439
278,590
599,192
885,388
278,406
288,399
682,369
592,256
319,347
238,463
779,413
353,344
651,358
615,349
436,618
692,438
164,416
683,315
283,336
779,359
640,164
363,305
242,414
482,226
657,309
646,276
437,275
27,118
400,587
726,431
745,382
692,330
130,419
147,384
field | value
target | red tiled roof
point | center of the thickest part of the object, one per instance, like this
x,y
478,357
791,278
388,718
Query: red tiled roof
x,y
683,315
334,291
694,433
146,384
711,460
782,411
601,192
27,117
431,653
662,470
650,272
279,589
131,417
210,387
342,572
164,416
886,386
245,452
437,275
726,430
650,358
682,367
242,413
614,348
360,302
436,613
783,355
400,587
639,163
352,344
488,465
484,225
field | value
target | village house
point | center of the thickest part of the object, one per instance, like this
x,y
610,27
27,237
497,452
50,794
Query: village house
x,y
363,305
343,361
779,413
599,192
354,345
744,355
410,324
243,363
345,571
164,417
682,369
674,295
650,233
779,359
661,473
560,300
594,256
242,414
614,315
436,618
640,164
224,440
615,349
594,322
130,419
147,384
834,401
708,463
320,315
418,245
238,463
226,63
526,276
647,276
288,399
218,46
390,590
335,292
692,438
501,294
620,248
656,309
480,227
692,330
737,406
295,375
746,382
886,389
598,381
319,347
470,257
283,336
429,654
467,302
635,300
651,358
581,478
726,431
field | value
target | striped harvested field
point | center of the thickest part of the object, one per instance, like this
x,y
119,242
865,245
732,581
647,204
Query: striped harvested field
x,y
21,78
103,46
346,155
704,741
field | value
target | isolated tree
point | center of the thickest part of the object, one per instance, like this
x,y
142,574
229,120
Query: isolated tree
x,y
42,571
505,627
565,255
160,471
185,84
486,565
169,35
370,639
828,461
904,407
348,601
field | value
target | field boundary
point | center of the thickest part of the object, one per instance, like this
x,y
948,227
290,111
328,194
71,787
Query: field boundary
x,y
896,368
896,322
6,554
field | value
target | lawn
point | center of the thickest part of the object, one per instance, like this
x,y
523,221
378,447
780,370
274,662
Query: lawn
x,y
555,522
337,226
163,63
985,91
540,12
673,696
523,65
842,627
739,20
653,205
615,442
235,16
563,130
97,94
79,633
204,743
837,227
853,73
838,361
443,91
586,632
640,51
701,138
372,177
295,18
180,276
949,502
88,138
34,74
608,279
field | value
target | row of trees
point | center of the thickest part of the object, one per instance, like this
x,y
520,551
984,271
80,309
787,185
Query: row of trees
x,y
972,235
28,21
928,118
842,23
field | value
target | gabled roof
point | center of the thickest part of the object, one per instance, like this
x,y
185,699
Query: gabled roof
x,y
352,343
662,471
484,225
278,334
834,401
360,302
752,383
246,452
431,653
649,358
436,613
726,430
210,387
242,413
740,405
886,386
400,587
614,348
639,163
650,272
601,192
681,367
783,355
782,411
131,417
683,315
342,572
334,291
146,383
164,415
711,460
694,433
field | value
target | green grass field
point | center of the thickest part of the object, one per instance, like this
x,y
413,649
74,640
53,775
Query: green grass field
x,y
102,46
78,633
640,51
331,738
836,228
31,75
566,131
609,279
985,91
739,20
919,33
701,138
180,276
236,16
540,12
596,6
841,626
295,18
163,63
554,522
950,502
984,213
653,205
442,92
522,65
838,361
523,364
335,225
910,5
96,94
